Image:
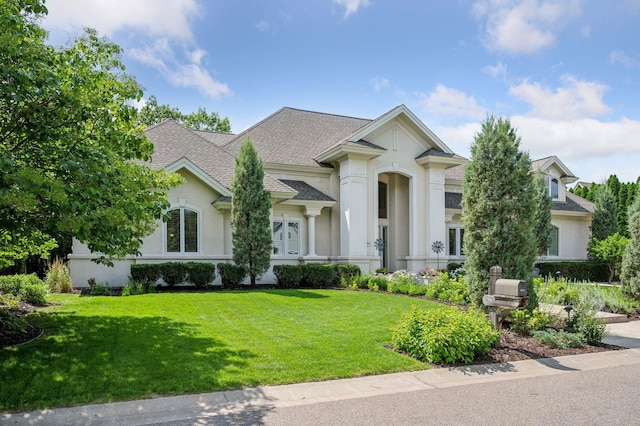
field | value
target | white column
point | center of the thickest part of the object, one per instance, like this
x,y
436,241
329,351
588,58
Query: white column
x,y
311,235
353,207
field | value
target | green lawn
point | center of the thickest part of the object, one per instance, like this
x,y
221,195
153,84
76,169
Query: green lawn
x,y
100,349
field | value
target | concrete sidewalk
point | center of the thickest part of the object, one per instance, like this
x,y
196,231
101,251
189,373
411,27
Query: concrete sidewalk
x,y
206,408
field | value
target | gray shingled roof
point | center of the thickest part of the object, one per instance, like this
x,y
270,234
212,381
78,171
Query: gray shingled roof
x,y
296,137
453,200
172,141
215,137
436,153
306,192
455,173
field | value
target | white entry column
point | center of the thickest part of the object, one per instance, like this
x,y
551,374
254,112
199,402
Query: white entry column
x,y
353,207
311,214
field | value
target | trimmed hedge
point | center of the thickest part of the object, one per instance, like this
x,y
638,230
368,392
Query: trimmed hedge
x,y
232,275
289,276
318,275
27,288
579,271
199,274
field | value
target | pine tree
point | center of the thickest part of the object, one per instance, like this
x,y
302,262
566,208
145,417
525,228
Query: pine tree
x,y
499,205
630,273
542,227
250,216
604,219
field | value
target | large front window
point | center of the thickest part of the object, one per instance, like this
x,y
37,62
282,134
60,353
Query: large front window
x,y
554,249
182,231
456,242
286,238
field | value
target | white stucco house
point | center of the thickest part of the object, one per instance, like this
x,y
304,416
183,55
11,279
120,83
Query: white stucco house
x,y
337,185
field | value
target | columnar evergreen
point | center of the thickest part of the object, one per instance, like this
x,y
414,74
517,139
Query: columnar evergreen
x,y
630,274
499,208
250,218
542,226
603,222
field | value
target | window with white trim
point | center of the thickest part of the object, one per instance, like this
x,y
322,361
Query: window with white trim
x,y
554,248
455,243
553,188
286,238
182,231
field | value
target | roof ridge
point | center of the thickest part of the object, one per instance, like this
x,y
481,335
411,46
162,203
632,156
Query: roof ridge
x,y
327,113
164,121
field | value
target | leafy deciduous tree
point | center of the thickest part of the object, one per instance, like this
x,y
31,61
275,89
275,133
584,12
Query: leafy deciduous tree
x,y
250,221
70,148
152,113
499,207
610,250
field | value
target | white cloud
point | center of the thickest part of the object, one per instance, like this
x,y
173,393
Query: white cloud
x,y
378,83
619,57
577,99
445,101
496,71
352,6
524,26
162,57
170,19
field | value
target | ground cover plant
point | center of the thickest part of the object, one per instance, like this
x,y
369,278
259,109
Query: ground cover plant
x,y
99,349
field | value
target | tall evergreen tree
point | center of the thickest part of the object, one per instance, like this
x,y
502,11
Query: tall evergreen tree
x,y
250,221
630,273
499,205
542,227
604,220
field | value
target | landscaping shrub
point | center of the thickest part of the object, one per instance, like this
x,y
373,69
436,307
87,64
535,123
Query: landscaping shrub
x,y
201,274
446,289
589,327
379,282
146,272
526,322
174,273
133,288
558,339
416,289
11,322
359,282
232,275
58,277
444,336
289,276
316,275
99,289
345,272
399,284
578,271
27,288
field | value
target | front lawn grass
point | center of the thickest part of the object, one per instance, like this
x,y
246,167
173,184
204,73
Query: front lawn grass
x,y
102,349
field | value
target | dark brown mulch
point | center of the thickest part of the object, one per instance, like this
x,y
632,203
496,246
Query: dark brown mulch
x,y
11,336
514,347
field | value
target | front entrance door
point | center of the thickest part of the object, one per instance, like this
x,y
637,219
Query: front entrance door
x,y
383,232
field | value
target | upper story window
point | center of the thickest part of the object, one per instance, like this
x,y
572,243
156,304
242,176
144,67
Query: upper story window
x,y
182,231
382,200
553,188
286,238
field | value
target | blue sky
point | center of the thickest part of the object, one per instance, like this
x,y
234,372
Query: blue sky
x,y
566,72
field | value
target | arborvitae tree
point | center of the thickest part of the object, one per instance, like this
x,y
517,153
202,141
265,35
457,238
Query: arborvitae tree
x,y
250,221
614,185
630,274
542,227
603,222
499,205
622,210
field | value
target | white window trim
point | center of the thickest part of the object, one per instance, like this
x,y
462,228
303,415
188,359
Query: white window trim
x,y
182,208
559,251
458,253
285,240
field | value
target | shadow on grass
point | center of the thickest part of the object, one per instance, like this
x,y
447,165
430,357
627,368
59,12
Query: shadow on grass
x,y
302,294
82,359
